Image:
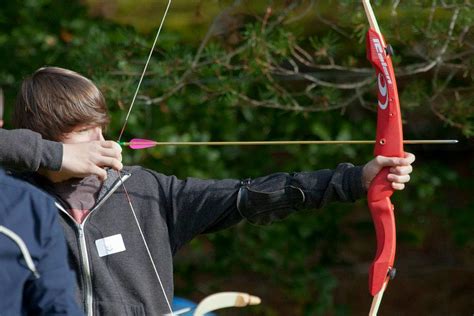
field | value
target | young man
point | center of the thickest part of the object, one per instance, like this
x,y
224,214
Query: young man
x,y
109,252
35,278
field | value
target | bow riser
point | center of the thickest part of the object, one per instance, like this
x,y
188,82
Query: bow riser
x,y
389,142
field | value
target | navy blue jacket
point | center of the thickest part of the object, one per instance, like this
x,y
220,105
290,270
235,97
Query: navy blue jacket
x,y
35,278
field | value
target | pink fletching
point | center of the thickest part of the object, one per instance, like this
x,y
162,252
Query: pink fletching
x,y
138,143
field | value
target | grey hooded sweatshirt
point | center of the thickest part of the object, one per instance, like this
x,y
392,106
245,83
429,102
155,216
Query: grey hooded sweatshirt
x,y
115,274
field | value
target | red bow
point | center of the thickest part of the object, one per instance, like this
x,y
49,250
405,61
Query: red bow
x,y
389,142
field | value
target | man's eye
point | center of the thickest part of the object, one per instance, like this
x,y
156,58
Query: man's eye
x,y
81,131
85,129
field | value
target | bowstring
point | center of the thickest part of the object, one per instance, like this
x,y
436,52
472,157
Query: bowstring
x,y
120,176
144,71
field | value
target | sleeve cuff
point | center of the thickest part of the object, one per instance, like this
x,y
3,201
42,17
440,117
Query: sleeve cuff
x,y
353,183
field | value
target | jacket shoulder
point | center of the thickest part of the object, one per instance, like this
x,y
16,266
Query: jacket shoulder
x,y
13,186
19,199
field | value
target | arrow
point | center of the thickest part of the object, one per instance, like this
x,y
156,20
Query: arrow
x,y
138,143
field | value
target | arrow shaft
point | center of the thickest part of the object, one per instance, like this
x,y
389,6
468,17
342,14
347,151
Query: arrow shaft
x,y
292,142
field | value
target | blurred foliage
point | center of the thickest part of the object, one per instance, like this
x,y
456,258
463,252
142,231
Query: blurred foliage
x,y
247,70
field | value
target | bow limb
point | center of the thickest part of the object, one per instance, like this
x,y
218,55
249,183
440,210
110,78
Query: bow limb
x,y
377,300
224,300
389,142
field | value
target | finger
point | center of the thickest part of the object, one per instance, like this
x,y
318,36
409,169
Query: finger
x,y
408,159
111,144
111,163
115,151
401,170
398,186
383,161
111,153
398,179
117,147
99,172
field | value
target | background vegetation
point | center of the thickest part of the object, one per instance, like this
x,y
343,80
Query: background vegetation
x,y
274,70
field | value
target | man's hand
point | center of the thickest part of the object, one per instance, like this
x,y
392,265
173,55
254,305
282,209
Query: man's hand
x,y
399,173
84,159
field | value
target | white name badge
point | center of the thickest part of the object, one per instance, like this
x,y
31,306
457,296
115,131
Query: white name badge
x,y
110,245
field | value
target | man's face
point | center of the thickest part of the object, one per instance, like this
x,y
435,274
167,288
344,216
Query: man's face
x,y
82,134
